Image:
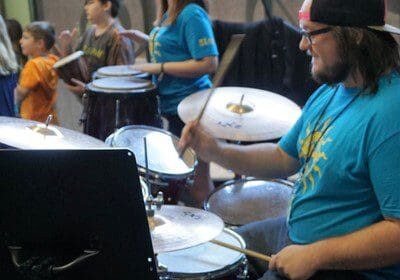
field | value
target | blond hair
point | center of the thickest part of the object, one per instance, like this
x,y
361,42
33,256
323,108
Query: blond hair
x,y
8,61
175,9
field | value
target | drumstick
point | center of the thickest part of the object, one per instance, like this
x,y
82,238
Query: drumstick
x,y
244,251
226,61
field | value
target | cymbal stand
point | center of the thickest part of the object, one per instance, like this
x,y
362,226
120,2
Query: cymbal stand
x,y
152,204
117,114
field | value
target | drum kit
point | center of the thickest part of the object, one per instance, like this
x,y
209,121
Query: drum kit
x,y
120,107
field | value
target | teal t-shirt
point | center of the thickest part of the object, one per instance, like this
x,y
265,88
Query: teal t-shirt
x,y
189,37
352,178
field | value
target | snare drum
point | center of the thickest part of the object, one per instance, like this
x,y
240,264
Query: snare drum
x,y
119,71
168,172
113,103
248,200
206,261
72,66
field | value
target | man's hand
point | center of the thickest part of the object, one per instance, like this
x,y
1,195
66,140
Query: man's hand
x,y
78,88
194,136
296,262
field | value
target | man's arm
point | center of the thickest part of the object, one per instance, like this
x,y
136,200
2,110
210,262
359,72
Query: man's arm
x,y
373,247
259,160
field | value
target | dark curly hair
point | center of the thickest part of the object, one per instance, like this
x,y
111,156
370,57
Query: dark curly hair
x,y
372,53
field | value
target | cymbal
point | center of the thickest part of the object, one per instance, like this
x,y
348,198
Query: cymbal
x,y
27,134
179,227
242,114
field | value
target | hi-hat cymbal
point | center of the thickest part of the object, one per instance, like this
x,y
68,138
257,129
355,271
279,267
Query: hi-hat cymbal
x,y
242,114
26,134
178,227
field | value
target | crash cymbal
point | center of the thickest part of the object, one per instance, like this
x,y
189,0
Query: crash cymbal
x,y
242,114
26,134
178,227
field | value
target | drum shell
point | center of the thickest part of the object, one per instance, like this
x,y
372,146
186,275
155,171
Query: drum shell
x,y
240,202
138,106
237,269
76,69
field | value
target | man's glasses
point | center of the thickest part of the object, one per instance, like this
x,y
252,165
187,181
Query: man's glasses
x,y
309,35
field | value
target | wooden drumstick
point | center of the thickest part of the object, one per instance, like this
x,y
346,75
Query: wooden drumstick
x,y
226,61
244,251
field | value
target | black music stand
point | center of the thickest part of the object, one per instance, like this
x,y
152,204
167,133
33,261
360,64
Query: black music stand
x,y
83,207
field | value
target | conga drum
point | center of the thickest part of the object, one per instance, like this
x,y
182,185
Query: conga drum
x,y
72,66
113,103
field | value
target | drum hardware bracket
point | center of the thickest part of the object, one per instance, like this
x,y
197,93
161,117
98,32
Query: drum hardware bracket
x,y
245,272
117,109
83,117
154,203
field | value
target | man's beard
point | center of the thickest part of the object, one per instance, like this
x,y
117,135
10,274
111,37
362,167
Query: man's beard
x,y
334,74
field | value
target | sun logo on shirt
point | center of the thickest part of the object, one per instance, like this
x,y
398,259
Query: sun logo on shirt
x,y
312,169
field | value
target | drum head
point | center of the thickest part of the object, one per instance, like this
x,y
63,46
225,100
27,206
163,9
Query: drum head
x,y
68,59
245,201
205,258
163,157
121,83
118,70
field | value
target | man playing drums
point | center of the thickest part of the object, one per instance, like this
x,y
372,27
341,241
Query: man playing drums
x,y
344,219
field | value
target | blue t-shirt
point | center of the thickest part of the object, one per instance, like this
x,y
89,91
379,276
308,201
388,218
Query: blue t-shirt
x,y
352,178
189,37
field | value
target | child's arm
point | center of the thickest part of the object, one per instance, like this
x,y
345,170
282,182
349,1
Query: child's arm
x,y
20,93
28,80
